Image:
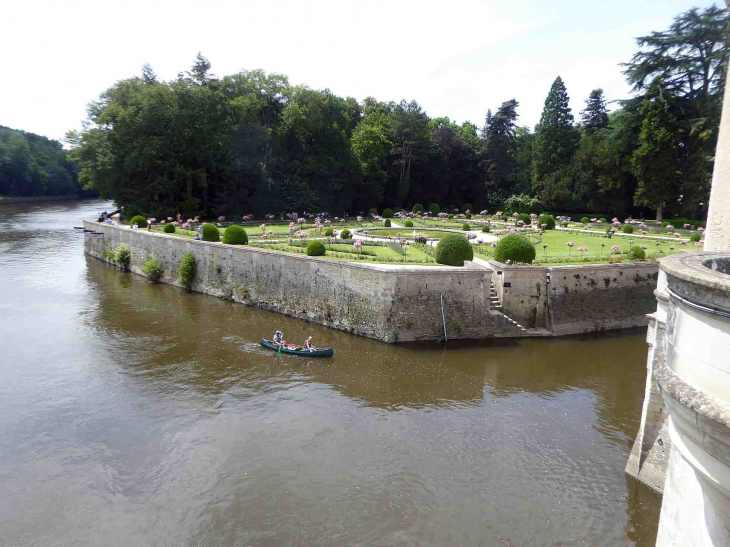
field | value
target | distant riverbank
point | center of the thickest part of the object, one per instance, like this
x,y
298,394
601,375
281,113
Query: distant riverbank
x,y
39,199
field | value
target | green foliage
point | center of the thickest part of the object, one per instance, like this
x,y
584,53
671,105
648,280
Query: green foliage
x,y
417,208
123,256
466,227
316,248
525,218
373,211
636,253
408,224
595,115
450,216
345,234
467,215
387,213
499,159
485,228
139,220
434,209
585,220
153,268
386,223
504,218
329,232
546,219
522,203
453,250
516,248
628,229
694,237
211,232
188,270
169,228
467,207
235,235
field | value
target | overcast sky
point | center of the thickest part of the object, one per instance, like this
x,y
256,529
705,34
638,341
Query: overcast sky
x,y
456,58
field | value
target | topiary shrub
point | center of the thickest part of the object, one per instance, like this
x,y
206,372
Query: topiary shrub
x,y
345,234
451,216
485,228
637,253
373,211
516,248
235,235
316,248
467,215
465,227
139,220
408,224
153,268
585,220
329,232
123,256
549,220
417,208
434,209
628,229
187,270
525,218
695,237
467,207
211,232
386,223
387,213
453,250
504,218
169,228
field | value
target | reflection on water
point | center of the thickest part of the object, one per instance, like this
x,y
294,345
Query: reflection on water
x,y
139,414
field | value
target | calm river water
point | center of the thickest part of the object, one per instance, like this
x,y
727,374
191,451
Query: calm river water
x,y
139,414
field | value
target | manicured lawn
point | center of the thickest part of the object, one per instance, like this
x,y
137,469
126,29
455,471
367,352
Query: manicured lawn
x,y
370,253
408,233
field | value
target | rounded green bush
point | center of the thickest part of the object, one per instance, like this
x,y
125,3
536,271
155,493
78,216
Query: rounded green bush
x,y
466,227
516,248
387,213
316,248
235,235
329,232
525,218
637,253
628,229
345,234
187,270
434,209
386,223
467,207
546,219
695,237
139,220
451,216
408,224
504,218
373,211
211,232
467,215
169,228
417,208
585,220
485,228
453,250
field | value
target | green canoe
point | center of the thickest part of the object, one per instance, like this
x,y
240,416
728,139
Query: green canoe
x,y
317,352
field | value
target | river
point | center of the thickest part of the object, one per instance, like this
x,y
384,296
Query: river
x,y
139,414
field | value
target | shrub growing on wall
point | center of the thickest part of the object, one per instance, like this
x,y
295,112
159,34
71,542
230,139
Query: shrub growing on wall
x,y
465,227
408,224
434,209
695,237
169,228
516,248
211,232
153,268
329,232
453,250
387,213
139,220
637,253
525,218
386,223
628,229
546,219
345,234
417,208
235,235
316,248
123,256
187,270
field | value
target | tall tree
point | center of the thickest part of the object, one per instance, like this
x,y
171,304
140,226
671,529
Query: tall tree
x,y
595,115
499,162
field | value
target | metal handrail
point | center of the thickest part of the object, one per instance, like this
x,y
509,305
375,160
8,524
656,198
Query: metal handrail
x,y
713,311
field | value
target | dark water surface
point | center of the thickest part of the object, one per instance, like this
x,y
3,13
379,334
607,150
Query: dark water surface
x,y
139,414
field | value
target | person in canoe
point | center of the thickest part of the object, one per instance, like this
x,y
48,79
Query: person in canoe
x,y
278,338
308,344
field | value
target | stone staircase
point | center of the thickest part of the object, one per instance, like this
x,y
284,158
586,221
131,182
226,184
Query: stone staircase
x,y
494,301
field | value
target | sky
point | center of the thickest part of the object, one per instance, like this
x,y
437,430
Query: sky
x,y
456,58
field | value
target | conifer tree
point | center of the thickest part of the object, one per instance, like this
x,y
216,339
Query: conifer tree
x,y
595,115
498,162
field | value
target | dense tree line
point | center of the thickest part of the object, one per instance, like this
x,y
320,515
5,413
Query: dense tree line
x,y
31,165
252,143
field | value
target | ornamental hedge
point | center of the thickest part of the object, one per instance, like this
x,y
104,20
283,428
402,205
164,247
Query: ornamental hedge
x,y
373,211
235,235
169,228
453,250
465,227
387,213
546,219
694,237
434,209
211,232
485,228
329,232
417,208
637,253
408,224
386,223
585,220
316,248
628,229
516,248
345,234
139,220
525,218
